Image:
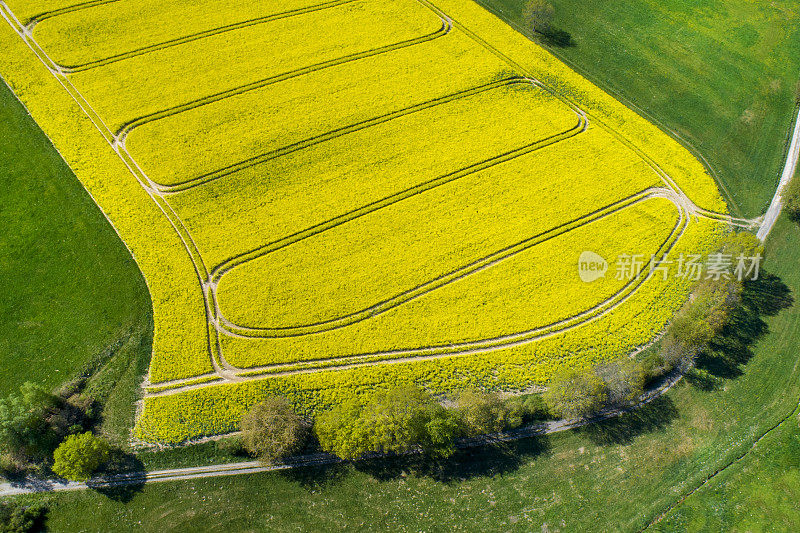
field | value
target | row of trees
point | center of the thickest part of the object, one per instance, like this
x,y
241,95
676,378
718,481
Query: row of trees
x,y
398,420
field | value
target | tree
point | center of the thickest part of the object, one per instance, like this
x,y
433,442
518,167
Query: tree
x,y
24,429
537,15
79,456
272,431
624,380
483,412
394,421
575,394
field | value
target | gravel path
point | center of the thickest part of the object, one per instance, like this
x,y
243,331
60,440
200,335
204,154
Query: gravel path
x,y
776,206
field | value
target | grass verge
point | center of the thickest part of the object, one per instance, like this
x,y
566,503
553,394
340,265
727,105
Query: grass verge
x,y
722,76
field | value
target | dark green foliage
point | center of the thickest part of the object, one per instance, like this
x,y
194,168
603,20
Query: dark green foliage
x,y
709,308
18,518
25,432
394,421
531,407
272,431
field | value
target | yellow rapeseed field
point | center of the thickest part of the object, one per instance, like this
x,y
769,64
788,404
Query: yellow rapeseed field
x,y
331,197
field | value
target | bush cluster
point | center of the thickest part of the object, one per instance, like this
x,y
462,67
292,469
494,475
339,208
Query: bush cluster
x,y
40,431
18,518
791,197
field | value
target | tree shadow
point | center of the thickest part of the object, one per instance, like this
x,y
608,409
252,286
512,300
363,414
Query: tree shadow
x,y
316,477
491,459
653,416
121,478
557,37
726,354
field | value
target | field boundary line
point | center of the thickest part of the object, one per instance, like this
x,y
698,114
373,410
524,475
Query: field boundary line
x,y
31,22
98,123
202,179
495,343
127,127
789,171
220,270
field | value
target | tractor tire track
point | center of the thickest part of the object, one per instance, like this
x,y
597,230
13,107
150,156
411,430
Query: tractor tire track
x,y
431,285
486,345
258,159
72,69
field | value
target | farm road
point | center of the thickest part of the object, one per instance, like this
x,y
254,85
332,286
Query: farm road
x,y
771,216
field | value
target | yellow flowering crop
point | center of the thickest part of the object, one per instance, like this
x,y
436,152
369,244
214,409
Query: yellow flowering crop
x,y
329,197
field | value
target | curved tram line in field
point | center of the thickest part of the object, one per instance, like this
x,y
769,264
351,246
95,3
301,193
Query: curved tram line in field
x,y
217,324
71,69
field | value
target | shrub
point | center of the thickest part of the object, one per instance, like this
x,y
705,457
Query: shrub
x,y
272,431
486,412
531,407
231,446
624,381
79,456
575,394
18,518
394,421
24,429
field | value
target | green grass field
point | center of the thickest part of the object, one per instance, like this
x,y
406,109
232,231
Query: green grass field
x,y
73,293
721,74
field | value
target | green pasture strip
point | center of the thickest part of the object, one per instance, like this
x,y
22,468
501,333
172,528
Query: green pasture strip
x,y
72,290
